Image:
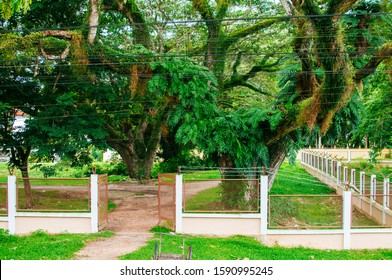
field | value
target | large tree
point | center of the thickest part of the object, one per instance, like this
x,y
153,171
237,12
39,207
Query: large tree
x,y
121,63
128,64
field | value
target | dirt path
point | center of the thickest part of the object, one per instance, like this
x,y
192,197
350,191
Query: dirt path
x,y
135,215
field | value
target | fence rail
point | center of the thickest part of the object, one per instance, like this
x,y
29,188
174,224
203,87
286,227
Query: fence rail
x,y
55,194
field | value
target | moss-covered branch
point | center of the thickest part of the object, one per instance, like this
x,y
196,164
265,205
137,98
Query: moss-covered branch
x,y
341,6
383,53
131,11
249,30
241,80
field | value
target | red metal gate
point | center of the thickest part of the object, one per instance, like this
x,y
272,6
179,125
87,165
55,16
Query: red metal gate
x,y
166,200
103,201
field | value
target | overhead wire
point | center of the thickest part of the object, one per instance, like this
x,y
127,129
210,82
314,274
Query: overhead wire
x,y
196,21
72,80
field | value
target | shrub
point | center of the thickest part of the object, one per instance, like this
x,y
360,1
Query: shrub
x,y
47,170
110,168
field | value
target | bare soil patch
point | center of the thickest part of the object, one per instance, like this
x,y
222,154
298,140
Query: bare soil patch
x,y
135,215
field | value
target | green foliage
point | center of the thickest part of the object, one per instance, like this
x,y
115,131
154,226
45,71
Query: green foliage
x,y
185,157
377,105
47,170
116,167
241,134
122,89
9,7
370,168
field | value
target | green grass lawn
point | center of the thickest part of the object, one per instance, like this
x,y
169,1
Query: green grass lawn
x,y
70,182
202,175
42,246
241,247
205,200
292,179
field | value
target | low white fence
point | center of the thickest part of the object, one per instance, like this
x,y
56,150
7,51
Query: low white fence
x,y
23,222
257,224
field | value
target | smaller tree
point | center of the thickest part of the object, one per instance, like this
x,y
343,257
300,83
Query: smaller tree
x,y
15,144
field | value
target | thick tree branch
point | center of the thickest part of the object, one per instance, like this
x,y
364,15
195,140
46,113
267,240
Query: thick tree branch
x,y
204,9
256,89
58,33
132,12
288,7
308,7
341,6
244,32
378,57
241,80
236,63
93,20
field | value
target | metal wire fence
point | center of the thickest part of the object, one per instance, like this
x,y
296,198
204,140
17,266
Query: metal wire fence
x,y
55,194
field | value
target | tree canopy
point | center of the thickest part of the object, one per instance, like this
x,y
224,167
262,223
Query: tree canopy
x,y
242,81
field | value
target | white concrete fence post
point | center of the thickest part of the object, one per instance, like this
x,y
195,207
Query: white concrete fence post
x,y
328,163
387,187
384,200
373,187
264,204
338,172
361,182
178,203
12,202
352,178
373,191
347,219
94,203
345,174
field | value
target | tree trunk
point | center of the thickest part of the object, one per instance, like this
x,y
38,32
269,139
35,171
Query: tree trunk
x,y
20,159
27,187
277,156
139,149
93,20
24,168
138,168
